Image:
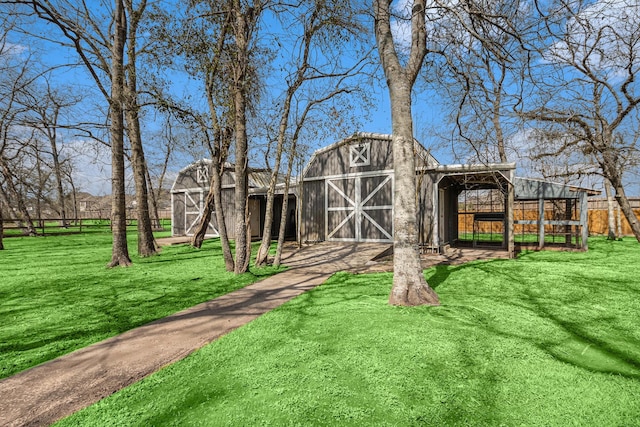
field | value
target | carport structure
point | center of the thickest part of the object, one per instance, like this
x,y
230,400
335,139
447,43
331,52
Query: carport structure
x,y
557,214
487,206
473,197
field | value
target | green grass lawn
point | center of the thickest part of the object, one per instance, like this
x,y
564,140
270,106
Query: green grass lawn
x,y
549,339
74,227
56,294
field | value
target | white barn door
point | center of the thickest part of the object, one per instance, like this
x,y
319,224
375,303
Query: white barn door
x,y
194,208
359,208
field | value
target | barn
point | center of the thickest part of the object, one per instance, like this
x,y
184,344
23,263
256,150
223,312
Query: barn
x,y
190,189
346,194
347,191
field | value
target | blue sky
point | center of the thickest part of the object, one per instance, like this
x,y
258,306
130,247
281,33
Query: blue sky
x,y
94,173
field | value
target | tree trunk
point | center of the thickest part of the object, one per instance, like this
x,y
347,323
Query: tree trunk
x,y
203,225
146,242
21,208
153,199
625,206
618,222
1,227
240,69
611,218
265,244
409,284
497,114
52,136
285,202
74,197
119,250
613,173
227,255
241,206
214,200
263,251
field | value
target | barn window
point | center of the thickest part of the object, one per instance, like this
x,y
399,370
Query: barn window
x,y
360,154
202,174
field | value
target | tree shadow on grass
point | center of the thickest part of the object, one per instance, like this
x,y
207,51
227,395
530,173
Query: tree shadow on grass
x,y
593,339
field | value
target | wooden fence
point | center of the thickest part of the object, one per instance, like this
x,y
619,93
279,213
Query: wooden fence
x,y
597,222
15,227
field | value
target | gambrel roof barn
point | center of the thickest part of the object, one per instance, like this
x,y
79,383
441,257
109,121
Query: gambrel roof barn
x,y
346,194
190,189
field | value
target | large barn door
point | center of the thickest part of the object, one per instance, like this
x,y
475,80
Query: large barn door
x,y
194,208
359,209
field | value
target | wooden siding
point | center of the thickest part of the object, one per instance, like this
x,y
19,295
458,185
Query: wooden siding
x,y
348,192
312,222
426,220
337,161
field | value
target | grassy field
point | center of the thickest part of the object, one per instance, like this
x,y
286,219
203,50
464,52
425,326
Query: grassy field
x,y
549,339
56,295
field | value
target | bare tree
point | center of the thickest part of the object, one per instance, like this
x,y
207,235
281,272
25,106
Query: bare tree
x,y
159,164
586,85
46,106
1,226
479,72
409,284
146,242
319,78
15,80
244,19
202,39
90,33
119,252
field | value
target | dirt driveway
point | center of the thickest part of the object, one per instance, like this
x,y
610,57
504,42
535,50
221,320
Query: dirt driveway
x,y
53,390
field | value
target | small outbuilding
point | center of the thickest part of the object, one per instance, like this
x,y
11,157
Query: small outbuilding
x,y
555,213
189,193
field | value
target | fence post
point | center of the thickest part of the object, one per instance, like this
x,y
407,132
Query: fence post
x,y
540,223
584,220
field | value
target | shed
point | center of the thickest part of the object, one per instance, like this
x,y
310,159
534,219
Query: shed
x,y
190,189
552,209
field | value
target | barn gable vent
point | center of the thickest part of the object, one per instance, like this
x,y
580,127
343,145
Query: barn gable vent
x,y
202,174
360,154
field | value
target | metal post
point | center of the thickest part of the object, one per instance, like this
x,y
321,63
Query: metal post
x,y
584,219
509,231
540,223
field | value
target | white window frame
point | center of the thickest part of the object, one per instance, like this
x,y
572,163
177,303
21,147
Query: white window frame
x,y
360,154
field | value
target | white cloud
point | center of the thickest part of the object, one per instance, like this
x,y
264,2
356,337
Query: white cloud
x,y
601,36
